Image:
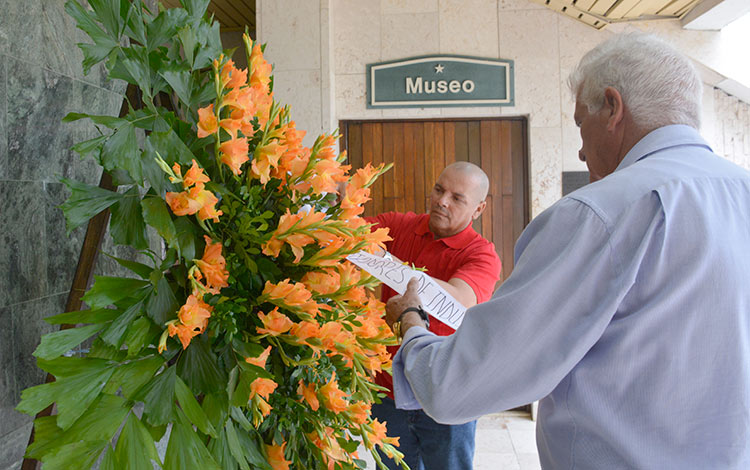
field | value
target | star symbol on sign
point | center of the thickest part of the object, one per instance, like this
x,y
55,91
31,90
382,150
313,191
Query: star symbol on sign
x,y
439,68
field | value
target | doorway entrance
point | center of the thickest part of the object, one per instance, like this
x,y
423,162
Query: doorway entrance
x,y
419,150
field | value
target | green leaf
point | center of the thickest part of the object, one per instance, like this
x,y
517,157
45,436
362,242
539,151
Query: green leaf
x,y
157,215
186,234
143,270
114,333
103,43
121,151
59,342
220,451
67,366
211,48
188,40
199,368
158,396
73,394
192,409
127,225
186,450
85,202
100,423
165,26
102,350
77,393
152,172
179,78
162,303
135,448
109,13
133,376
140,333
240,418
88,146
108,290
249,445
195,8
107,121
171,148
241,394
215,407
99,315
79,454
109,461
234,445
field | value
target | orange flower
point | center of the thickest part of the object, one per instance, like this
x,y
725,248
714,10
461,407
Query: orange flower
x,y
265,159
308,394
207,202
293,295
376,239
259,361
194,175
333,397
241,101
184,333
305,329
378,436
364,176
359,411
351,203
297,242
330,447
349,273
182,204
326,176
231,76
263,405
322,282
213,265
272,247
262,387
275,323
234,153
261,70
195,313
207,124
276,457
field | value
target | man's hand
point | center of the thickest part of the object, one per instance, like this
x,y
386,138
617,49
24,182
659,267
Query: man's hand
x,y
397,304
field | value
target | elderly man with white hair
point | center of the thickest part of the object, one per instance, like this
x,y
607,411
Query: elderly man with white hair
x,y
628,311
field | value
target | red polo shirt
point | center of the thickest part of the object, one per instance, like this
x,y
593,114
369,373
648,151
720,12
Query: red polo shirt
x,y
465,255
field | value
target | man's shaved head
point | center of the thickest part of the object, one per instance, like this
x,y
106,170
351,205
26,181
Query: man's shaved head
x,y
477,174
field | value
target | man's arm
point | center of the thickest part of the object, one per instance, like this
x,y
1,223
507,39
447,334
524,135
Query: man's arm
x,y
458,288
516,347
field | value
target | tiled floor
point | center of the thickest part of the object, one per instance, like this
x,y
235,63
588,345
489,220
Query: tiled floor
x,y
504,441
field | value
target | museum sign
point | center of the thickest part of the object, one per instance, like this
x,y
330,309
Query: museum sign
x,y
440,80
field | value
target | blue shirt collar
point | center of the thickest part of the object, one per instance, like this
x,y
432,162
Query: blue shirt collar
x,y
662,138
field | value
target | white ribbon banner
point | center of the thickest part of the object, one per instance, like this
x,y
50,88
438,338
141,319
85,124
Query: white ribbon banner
x,y
435,300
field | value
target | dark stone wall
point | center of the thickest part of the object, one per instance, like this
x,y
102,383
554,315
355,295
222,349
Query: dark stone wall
x,y
40,82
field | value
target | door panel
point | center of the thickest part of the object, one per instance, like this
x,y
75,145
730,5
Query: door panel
x,y
420,150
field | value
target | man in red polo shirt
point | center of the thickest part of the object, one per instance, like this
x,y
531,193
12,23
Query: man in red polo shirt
x,y
464,264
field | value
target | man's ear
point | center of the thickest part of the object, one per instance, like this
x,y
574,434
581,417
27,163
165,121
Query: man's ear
x,y
615,107
479,210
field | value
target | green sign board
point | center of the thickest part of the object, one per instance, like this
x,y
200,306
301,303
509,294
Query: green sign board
x,y
440,80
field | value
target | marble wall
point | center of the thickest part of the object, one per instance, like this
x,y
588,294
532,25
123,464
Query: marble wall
x,y
40,82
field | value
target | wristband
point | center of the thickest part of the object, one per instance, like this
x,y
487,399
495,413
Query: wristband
x,y
422,314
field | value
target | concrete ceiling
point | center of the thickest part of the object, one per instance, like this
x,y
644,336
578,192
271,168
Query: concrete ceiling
x,y
701,14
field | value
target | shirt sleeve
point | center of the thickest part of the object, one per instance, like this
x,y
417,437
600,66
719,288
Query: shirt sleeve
x,y
481,271
516,347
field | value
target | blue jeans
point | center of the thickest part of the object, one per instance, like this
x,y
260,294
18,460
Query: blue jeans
x,y
426,444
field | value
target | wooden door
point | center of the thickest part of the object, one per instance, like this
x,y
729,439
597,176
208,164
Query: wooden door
x,y
420,150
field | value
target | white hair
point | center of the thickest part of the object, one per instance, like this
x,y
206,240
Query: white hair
x,y
658,84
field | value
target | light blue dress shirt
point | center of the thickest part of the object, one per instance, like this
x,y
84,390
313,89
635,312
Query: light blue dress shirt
x,y
627,314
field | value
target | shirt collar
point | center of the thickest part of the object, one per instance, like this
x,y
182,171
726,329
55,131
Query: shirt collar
x,y
457,241
662,138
